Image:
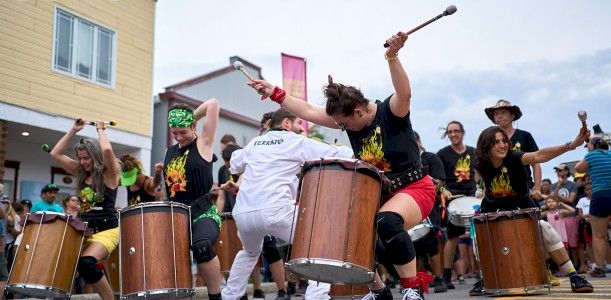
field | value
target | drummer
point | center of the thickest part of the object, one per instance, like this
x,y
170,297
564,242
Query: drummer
x,y
97,171
188,180
459,165
140,187
502,170
265,203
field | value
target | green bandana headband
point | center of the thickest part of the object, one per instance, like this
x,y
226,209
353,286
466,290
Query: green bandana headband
x,y
180,118
128,178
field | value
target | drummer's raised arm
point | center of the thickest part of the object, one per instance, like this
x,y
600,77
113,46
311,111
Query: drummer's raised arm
x,y
299,107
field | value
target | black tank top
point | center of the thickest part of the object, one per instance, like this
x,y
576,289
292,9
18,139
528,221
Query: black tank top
x,y
98,210
388,143
187,175
141,195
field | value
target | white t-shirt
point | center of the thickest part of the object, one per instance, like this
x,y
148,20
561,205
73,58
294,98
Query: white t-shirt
x,y
270,164
584,204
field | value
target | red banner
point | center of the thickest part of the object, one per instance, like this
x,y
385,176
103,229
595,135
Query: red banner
x,y
294,77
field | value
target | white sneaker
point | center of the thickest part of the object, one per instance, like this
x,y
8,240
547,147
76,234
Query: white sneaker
x,y
411,294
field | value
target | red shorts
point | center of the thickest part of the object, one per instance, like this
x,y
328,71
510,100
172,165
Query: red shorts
x,y
423,192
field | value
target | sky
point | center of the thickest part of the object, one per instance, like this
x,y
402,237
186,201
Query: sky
x,y
551,58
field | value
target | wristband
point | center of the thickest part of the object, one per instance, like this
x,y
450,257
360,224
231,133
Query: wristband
x,y
278,95
390,58
442,189
98,128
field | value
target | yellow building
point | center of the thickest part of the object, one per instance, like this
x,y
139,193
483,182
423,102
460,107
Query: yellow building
x,y
61,60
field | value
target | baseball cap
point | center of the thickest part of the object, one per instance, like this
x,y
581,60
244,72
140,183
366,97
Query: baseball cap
x,y
26,202
49,187
562,167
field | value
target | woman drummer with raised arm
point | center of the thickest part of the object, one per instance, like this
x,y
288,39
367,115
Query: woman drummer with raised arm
x,y
97,171
381,134
502,170
188,180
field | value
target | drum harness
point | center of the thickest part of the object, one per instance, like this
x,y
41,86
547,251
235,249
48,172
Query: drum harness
x,y
414,173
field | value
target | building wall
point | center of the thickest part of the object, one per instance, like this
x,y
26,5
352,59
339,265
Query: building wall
x,y
27,78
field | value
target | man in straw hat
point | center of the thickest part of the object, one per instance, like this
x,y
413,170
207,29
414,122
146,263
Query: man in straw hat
x,y
503,113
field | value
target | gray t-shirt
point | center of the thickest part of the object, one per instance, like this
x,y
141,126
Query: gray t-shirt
x,y
565,190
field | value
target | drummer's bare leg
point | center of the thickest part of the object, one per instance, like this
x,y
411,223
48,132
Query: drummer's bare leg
x,y
102,286
553,244
396,240
209,271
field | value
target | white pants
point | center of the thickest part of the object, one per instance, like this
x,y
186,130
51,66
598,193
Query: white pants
x,y
252,228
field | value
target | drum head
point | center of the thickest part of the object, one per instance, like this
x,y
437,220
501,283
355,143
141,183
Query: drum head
x,y
330,271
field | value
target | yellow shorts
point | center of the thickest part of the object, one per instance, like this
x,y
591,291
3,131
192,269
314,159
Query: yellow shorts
x,y
108,238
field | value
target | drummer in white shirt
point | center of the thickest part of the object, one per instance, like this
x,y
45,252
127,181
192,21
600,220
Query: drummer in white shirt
x,y
265,204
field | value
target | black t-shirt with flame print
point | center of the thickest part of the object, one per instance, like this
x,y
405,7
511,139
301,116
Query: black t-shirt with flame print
x,y
388,143
506,187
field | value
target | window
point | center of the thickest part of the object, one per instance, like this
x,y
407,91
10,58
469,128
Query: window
x,y
83,49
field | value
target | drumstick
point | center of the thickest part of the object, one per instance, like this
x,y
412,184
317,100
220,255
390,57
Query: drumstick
x,y
443,206
456,196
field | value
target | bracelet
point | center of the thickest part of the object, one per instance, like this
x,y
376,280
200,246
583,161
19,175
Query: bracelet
x,y
98,128
442,189
278,95
391,58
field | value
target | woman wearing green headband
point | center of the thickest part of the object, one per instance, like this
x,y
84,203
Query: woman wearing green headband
x,y
140,187
188,179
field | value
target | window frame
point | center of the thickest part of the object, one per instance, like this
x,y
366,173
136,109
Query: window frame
x,y
74,49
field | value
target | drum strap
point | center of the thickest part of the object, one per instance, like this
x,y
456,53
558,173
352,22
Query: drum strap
x,y
406,178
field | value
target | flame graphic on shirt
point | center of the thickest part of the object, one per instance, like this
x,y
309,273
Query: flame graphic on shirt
x,y
175,174
89,199
462,171
372,150
501,185
517,146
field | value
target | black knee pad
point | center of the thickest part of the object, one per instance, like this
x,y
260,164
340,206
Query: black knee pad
x,y
389,225
87,268
397,242
203,250
270,250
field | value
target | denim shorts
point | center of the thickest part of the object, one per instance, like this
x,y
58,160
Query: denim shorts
x,y
600,206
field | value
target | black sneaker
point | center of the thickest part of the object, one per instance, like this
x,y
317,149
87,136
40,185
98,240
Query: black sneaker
x,y
449,284
384,294
580,285
478,289
290,288
258,293
245,297
282,295
438,285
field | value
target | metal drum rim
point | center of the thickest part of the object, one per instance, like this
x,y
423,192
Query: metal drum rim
x,y
144,205
58,293
161,292
328,262
518,290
